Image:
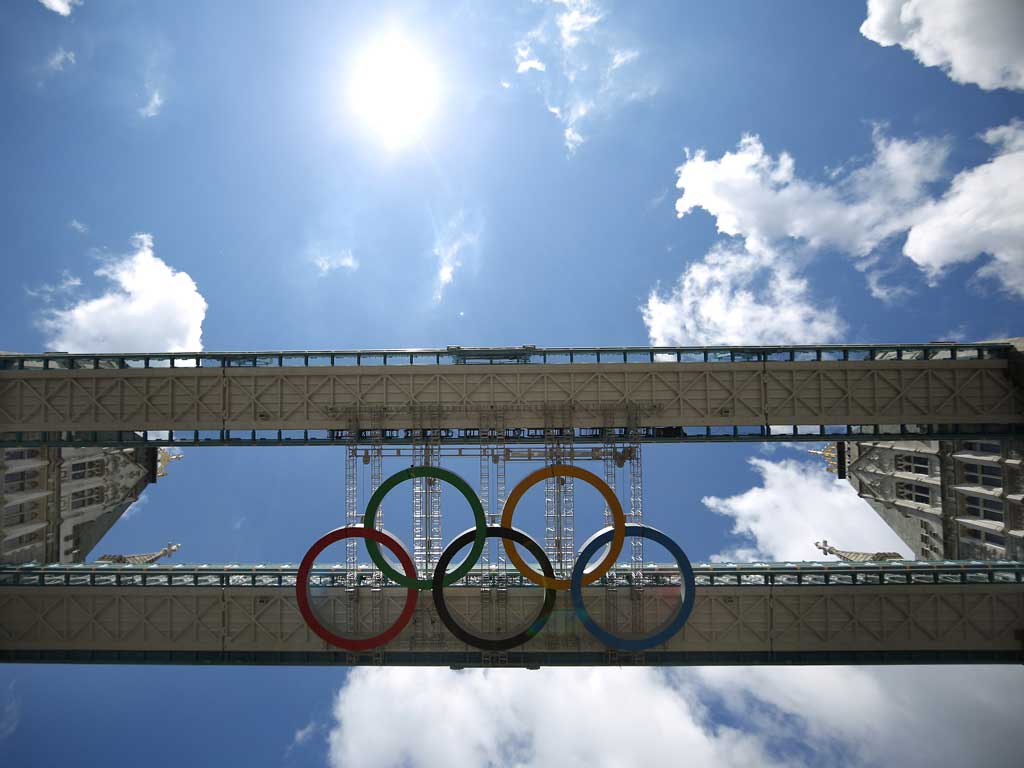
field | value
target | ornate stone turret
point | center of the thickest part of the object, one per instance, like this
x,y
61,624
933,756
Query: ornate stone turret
x,y
856,557
163,458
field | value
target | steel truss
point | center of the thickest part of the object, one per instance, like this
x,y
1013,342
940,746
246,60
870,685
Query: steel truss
x,y
920,612
656,394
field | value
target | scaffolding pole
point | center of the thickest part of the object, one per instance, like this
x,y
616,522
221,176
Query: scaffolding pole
x,y
636,512
351,508
559,534
485,493
426,508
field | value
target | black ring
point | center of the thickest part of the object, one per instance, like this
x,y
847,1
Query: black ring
x,y
483,643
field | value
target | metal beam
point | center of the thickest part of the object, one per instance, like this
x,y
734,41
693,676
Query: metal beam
x,y
754,393
763,613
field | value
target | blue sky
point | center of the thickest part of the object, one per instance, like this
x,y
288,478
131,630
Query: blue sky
x,y
589,173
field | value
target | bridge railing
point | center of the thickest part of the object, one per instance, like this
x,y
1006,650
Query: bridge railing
x,y
60,361
707,575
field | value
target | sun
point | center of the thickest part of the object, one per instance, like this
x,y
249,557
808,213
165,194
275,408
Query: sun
x,y
395,89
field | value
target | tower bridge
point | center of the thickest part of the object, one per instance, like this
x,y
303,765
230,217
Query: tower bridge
x,y
560,406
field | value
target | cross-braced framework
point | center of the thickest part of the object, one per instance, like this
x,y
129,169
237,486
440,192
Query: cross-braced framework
x,y
831,613
636,513
559,504
609,458
352,516
660,394
426,507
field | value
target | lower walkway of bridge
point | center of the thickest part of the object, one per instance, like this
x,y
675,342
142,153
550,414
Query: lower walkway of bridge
x,y
805,613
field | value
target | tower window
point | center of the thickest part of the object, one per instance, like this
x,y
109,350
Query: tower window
x,y
985,509
914,492
979,447
87,497
984,475
918,465
83,469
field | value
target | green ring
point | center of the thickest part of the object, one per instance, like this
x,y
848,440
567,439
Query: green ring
x,y
479,540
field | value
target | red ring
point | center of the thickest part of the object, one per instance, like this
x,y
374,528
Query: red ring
x,y
302,587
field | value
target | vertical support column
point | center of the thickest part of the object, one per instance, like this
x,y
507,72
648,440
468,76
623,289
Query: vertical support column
x,y
434,498
426,507
636,511
419,531
500,491
351,509
608,455
377,472
485,496
609,460
559,534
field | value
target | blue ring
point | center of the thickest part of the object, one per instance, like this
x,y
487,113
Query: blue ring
x,y
688,586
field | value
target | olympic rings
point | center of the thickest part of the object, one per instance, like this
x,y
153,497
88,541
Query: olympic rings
x,y
478,515
302,587
687,586
487,644
617,536
611,537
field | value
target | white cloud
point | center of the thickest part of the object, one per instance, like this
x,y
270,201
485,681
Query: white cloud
x,y
797,504
576,20
713,716
872,716
50,291
738,296
982,212
974,41
450,246
760,198
302,734
79,226
154,105
622,58
327,263
581,62
525,61
63,7
149,307
522,718
60,59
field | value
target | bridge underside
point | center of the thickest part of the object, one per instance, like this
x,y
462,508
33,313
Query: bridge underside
x,y
664,394
917,613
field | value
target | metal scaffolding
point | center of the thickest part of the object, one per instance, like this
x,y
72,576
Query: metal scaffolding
x,y
608,455
636,513
484,492
351,508
559,529
426,507
499,457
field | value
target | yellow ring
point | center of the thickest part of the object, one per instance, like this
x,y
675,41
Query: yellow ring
x,y
565,470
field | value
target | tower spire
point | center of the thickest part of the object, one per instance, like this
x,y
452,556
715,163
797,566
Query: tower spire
x,y
856,557
144,559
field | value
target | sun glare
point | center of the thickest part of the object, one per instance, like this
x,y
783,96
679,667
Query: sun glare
x,y
394,89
